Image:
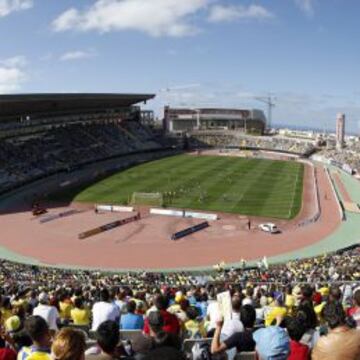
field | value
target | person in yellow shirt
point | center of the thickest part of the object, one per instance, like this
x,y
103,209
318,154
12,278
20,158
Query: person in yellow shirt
x,y
277,310
194,328
6,309
289,301
38,330
65,307
79,314
324,290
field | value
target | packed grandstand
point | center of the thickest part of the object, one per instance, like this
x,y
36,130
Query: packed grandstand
x,y
285,312
301,309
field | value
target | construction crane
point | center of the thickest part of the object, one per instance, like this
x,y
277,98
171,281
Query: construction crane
x,y
270,102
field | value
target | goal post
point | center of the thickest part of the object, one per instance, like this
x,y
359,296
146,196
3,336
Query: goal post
x,y
151,199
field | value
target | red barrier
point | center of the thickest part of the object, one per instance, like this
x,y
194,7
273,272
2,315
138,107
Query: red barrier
x,y
108,226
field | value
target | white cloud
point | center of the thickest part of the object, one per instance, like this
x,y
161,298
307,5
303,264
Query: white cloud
x,y
15,61
306,6
76,55
221,13
12,74
153,17
9,6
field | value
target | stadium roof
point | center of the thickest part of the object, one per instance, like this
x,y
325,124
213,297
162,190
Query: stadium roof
x,y
26,104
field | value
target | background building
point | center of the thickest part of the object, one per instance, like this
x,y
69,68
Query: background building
x,y
186,119
340,130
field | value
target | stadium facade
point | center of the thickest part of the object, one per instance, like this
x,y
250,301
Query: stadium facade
x,y
177,120
30,108
26,113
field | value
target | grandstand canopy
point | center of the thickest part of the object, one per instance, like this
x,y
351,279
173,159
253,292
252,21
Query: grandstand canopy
x,y
26,104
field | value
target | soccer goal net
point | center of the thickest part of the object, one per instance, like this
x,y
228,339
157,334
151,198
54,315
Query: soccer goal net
x,y
151,199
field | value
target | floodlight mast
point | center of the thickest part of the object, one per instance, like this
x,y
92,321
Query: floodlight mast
x,y
270,102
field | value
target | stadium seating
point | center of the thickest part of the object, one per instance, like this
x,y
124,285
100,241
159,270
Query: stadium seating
x,y
300,291
234,139
62,148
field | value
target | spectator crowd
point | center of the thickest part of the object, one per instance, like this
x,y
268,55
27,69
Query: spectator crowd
x,y
55,148
304,309
222,139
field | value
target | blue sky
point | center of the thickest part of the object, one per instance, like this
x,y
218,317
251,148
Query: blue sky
x,y
206,52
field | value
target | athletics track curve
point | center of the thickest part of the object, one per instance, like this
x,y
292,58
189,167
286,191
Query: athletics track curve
x,y
146,244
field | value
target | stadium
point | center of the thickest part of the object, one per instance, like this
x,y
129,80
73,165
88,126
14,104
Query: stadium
x,y
98,188
179,180
102,210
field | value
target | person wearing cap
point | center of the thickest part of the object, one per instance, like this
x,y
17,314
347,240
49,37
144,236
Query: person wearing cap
x,y
38,330
49,313
276,309
272,343
175,307
180,310
341,342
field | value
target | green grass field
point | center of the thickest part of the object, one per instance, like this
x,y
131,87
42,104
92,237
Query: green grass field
x,y
213,183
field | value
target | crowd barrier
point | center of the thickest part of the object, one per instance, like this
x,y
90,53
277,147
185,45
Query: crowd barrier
x,y
108,226
167,212
190,230
114,208
196,215
183,213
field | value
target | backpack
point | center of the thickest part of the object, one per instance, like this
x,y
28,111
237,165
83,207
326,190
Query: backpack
x,y
201,351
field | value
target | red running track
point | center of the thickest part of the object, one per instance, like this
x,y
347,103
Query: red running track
x,y
146,244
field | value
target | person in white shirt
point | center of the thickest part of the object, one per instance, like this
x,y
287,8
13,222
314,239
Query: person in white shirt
x,y
233,325
49,313
104,310
249,293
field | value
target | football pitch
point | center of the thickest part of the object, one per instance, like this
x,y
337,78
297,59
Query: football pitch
x,y
246,186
